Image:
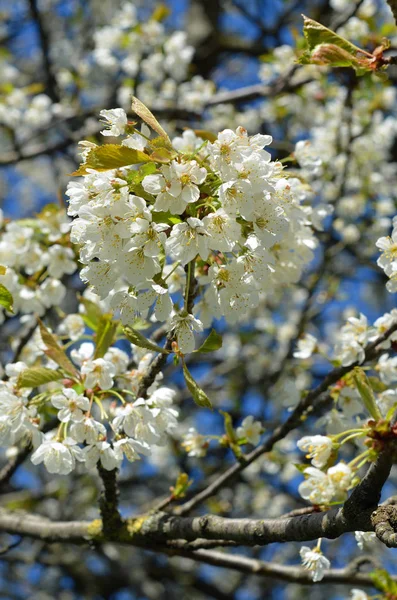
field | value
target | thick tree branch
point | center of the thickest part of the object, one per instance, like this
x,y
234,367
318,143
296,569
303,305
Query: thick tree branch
x,y
393,6
80,532
161,527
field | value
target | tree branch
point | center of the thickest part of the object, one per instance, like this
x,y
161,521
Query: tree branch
x,y
51,83
293,574
162,527
108,502
393,6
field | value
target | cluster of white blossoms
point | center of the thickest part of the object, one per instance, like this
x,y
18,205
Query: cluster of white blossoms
x,y
357,334
93,420
34,255
159,60
220,208
23,111
322,487
388,258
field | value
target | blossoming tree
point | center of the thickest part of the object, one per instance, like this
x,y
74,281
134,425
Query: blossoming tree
x,y
198,332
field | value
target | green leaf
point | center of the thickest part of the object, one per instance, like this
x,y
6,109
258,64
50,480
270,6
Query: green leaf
x,y
134,177
330,54
163,155
181,486
383,581
111,156
325,47
92,315
105,335
376,384
231,434
301,468
161,142
366,393
55,351
316,34
138,339
199,396
6,299
206,135
140,324
161,12
35,376
165,217
146,115
212,343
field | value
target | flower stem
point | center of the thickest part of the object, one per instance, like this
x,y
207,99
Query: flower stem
x,y
358,458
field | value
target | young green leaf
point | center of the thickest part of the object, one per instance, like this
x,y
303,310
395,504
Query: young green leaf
x,y
35,376
330,54
111,156
160,13
6,299
325,47
181,486
383,581
148,117
92,315
376,384
165,217
55,352
366,393
163,155
206,135
105,335
231,434
199,396
212,343
301,468
316,34
138,339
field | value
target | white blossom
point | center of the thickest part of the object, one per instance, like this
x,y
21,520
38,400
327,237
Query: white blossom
x,y
98,372
306,346
116,119
184,326
194,443
250,430
102,451
58,457
318,448
315,562
365,539
70,404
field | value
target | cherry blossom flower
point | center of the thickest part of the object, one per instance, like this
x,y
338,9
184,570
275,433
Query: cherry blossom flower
x,y
98,372
306,346
58,457
250,430
184,325
194,443
318,448
315,562
116,119
71,405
